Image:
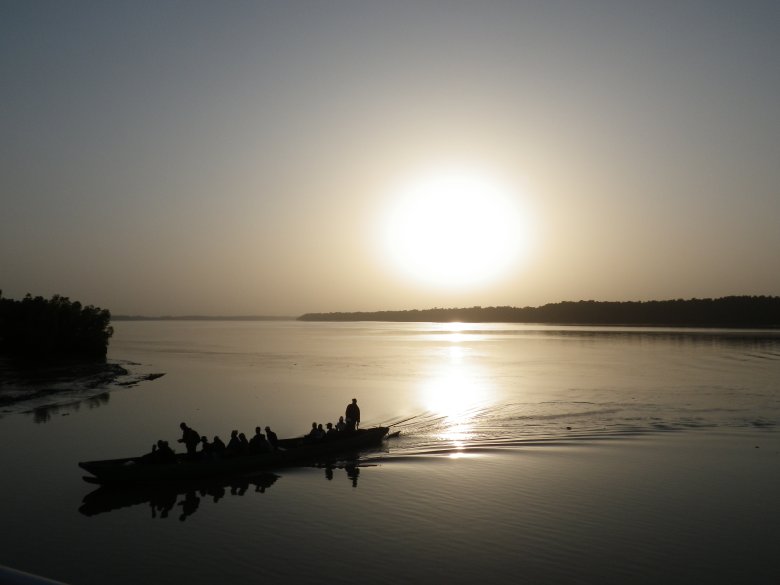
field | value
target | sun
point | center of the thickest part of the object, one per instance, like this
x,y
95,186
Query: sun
x,y
455,228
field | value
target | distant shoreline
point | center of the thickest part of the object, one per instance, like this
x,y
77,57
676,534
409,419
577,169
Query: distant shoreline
x,y
736,312
201,318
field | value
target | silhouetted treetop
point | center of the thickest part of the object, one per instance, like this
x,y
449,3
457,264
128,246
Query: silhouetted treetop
x,y
58,327
733,311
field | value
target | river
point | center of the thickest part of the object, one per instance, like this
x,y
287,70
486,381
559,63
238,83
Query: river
x,y
527,453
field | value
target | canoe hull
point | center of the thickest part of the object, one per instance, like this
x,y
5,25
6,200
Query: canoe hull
x,y
293,452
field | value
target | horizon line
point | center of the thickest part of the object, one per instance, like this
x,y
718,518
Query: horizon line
x,y
205,317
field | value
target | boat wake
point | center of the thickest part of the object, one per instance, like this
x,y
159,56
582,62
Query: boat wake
x,y
494,429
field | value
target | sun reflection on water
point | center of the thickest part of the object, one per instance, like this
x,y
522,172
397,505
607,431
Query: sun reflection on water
x,y
455,333
456,391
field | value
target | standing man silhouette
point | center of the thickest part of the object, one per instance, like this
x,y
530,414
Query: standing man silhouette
x,y
190,438
352,415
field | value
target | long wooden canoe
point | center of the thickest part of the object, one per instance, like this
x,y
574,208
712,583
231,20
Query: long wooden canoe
x,y
292,452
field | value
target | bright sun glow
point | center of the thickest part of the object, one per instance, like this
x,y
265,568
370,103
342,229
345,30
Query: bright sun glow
x,y
455,228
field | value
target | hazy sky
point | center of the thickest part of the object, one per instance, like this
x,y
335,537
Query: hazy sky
x,y
244,157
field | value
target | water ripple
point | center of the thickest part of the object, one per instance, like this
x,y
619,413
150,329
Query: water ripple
x,y
482,431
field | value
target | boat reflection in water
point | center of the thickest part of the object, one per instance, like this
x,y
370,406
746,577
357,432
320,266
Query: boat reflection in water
x,y
183,498
167,499
350,466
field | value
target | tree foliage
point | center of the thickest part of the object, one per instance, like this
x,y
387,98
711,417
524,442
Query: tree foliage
x,y
58,327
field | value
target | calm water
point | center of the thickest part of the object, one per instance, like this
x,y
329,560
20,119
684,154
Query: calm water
x,y
529,453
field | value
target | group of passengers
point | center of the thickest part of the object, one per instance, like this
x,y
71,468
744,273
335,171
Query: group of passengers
x,y
331,431
239,445
216,449
161,453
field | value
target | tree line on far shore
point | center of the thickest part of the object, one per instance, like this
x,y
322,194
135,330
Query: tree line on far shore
x,y
39,328
732,312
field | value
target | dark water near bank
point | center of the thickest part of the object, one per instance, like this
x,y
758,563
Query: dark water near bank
x,y
531,454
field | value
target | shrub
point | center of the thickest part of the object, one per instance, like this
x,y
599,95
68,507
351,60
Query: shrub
x,y
58,327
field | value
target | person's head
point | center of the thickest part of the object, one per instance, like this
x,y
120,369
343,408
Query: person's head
x,y
314,425
160,443
204,440
354,401
234,434
341,419
216,438
183,426
242,436
267,429
329,425
258,430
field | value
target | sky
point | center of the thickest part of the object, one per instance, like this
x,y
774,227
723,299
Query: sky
x,y
283,157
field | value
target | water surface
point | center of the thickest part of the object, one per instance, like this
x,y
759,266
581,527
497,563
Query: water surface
x,y
544,454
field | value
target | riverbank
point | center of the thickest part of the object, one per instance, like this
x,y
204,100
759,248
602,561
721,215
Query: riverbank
x,y
43,389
